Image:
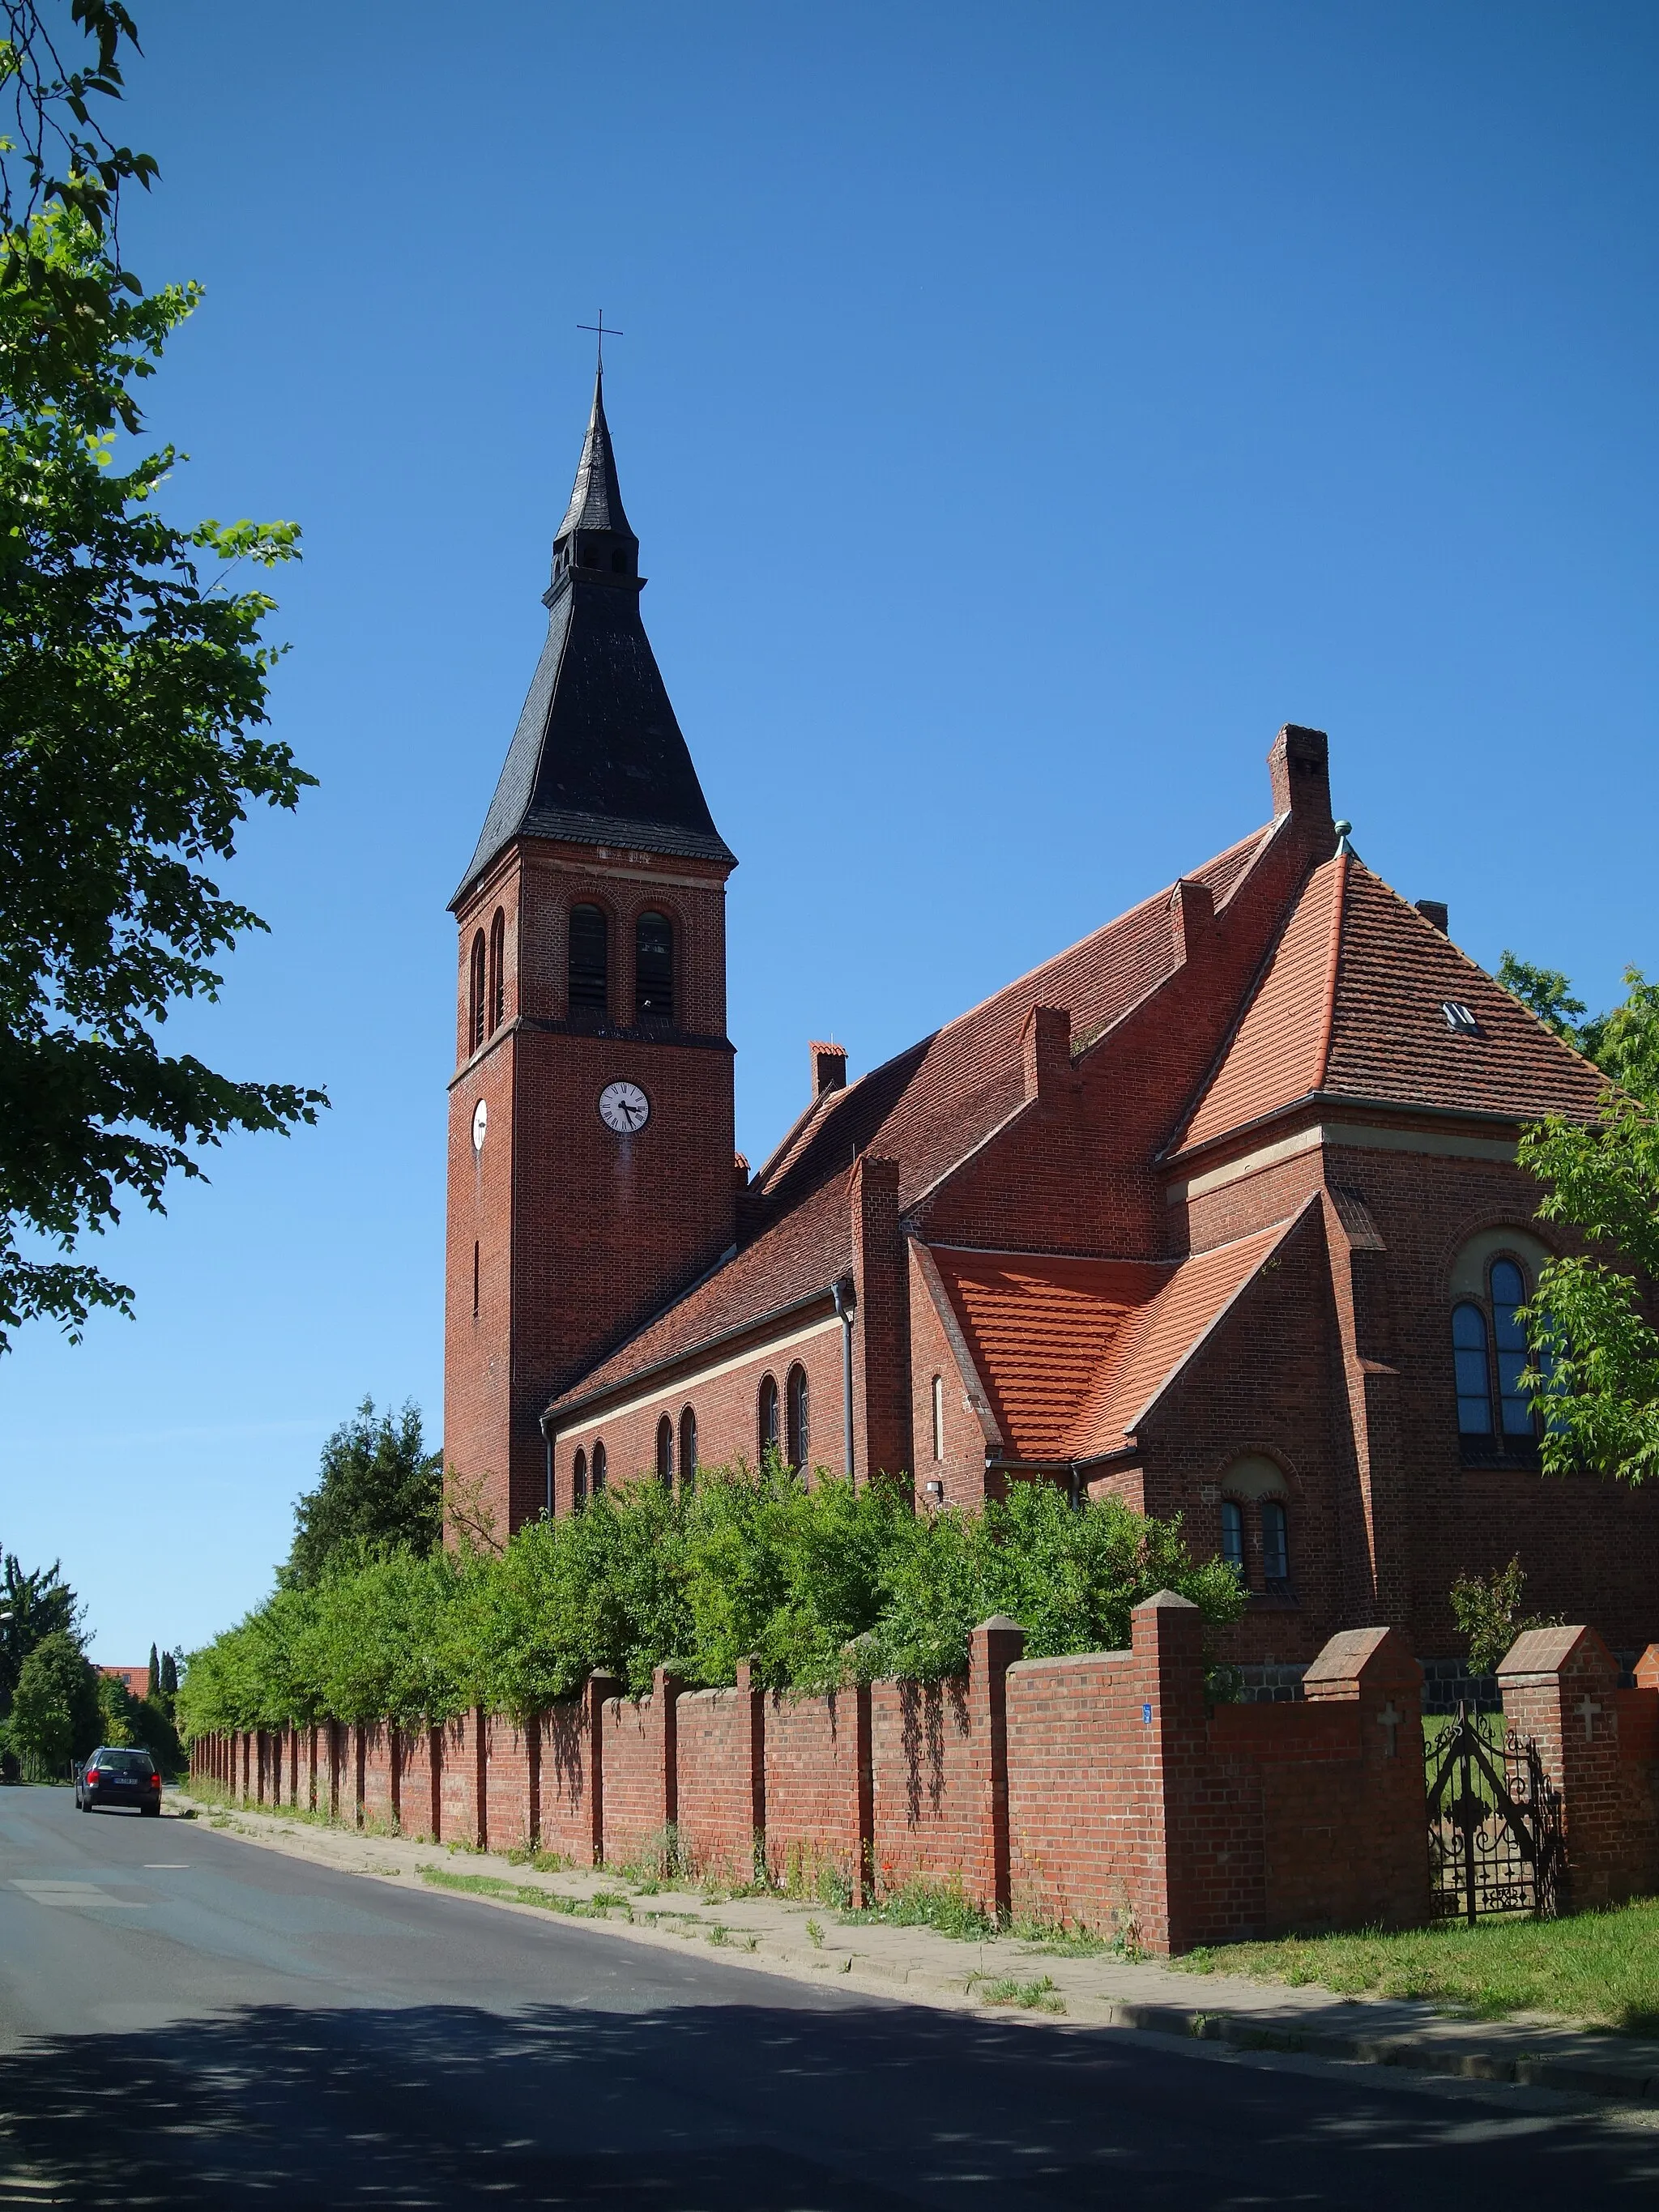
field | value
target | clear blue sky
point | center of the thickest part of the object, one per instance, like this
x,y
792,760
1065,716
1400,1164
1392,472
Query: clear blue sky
x,y
1023,411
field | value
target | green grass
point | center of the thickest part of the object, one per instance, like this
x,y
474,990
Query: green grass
x,y
1601,1968
597,1907
944,1906
1031,1996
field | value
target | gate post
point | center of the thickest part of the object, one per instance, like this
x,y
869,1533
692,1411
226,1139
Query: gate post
x,y
1560,1688
1378,1671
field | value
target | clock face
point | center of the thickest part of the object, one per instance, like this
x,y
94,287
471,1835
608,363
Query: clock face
x,y
480,1123
624,1107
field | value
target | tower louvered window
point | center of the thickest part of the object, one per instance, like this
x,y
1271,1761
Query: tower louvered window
x,y
654,968
497,971
589,959
477,986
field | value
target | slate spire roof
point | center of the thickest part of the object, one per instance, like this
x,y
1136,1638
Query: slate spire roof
x,y
598,757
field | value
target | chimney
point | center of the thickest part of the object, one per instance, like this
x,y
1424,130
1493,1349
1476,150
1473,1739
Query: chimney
x,y
1192,916
829,1068
1047,1046
1299,762
1434,910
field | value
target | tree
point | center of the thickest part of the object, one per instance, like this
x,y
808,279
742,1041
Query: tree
x,y
153,1682
1488,1610
32,1607
135,691
169,1678
381,1491
56,1715
1595,1367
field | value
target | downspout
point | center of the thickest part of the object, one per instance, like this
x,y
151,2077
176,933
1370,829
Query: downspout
x,y
842,1292
547,1445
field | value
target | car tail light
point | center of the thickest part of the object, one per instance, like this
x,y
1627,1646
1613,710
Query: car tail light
x,y
155,1781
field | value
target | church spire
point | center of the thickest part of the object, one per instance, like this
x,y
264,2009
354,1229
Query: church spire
x,y
595,535
598,757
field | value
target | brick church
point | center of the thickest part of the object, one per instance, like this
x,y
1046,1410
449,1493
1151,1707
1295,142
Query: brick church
x,y
1216,1211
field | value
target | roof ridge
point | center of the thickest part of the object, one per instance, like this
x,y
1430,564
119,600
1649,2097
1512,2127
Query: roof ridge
x,y
1339,860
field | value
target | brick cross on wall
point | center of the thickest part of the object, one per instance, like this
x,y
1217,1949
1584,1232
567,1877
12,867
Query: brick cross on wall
x,y
1588,1709
1388,1718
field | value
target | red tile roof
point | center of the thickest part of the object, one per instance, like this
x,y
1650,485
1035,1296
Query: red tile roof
x,y
1040,1330
1352,1006
1150,1354
927,1108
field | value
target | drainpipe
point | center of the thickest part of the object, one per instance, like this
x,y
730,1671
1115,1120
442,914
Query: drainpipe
x,y
842,1292
547,1444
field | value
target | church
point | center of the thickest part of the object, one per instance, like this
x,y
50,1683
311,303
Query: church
x,y
1216,1211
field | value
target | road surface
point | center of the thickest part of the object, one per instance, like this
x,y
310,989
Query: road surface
x,y
188,2020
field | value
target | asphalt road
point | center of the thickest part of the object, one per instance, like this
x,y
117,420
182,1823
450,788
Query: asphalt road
x,y
187,2020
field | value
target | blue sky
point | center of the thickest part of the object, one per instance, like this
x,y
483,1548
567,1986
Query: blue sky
x,y
1023,411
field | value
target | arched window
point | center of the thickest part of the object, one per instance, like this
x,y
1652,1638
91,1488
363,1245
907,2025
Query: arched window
x,y
797,1422
939,1416
476,1009
768,1426
1275,1546
687,1450
1496,1423
666,1452
1474,1381
497,971
1232,1535
654,968
589,960
578,1481
598,1469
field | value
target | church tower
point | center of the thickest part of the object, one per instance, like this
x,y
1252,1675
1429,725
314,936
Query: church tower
x,y
591,1121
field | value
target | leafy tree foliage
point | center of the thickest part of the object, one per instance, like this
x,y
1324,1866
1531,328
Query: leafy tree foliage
x,y
818,1583
1595,1369
135,689
32,1607
381,1491
55,1711
1489,1611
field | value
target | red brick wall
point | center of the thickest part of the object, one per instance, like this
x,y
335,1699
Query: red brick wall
x,y
570,1800
511,1759
929,1784
459,1807
1560,1689
638,1795
379,1797
719,1759
818,1783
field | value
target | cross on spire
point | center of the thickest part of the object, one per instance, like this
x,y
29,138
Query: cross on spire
x,y
602,331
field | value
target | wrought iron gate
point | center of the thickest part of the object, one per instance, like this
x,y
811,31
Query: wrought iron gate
x,y
1494,1825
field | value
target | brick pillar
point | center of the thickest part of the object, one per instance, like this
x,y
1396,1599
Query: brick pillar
x,y
752,1706
864,1799
480,1723
359,1762
1378,1671
394,1773
1167,1634
600,1688
881,1365
1560,1688
248,1756
992,1648
666,1688
532,1764
1375,1530
335,1765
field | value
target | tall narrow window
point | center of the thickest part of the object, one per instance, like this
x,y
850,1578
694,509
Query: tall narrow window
x,y
477,986
1509,1290
598,1469
578,1481
768,1425
497,971
654,968
1275,1546
475,1281
939,1416
1474,1382
589,960
798,1434
666,1452
687,1450
1232,1535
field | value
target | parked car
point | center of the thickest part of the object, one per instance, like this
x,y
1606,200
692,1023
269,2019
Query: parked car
x,y
115,1776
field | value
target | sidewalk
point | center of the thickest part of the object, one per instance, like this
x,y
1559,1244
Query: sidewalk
x,y
806,1941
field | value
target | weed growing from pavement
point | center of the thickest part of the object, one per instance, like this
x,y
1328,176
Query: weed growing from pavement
x,y
1039,1996
944,1907
599,1906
